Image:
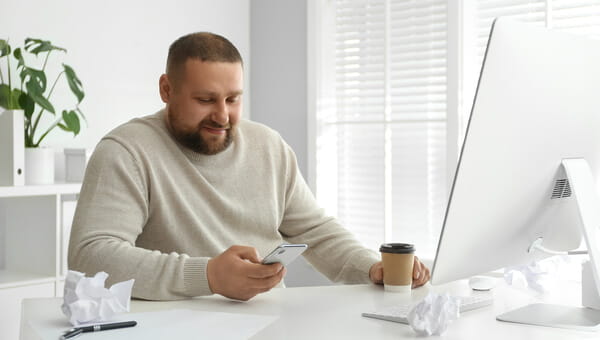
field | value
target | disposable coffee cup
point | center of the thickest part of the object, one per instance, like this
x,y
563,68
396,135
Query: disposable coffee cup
x,y
398,261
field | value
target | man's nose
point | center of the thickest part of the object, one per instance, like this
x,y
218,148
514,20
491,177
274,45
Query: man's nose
x,y
221,114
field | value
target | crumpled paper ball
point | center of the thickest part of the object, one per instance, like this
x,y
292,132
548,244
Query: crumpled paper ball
x,y
540,275
86,300
433,314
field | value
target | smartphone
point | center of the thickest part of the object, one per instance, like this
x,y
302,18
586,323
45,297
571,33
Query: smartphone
x,y
284,254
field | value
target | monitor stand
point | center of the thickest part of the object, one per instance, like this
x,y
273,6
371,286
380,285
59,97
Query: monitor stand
x,y
543,314
583,188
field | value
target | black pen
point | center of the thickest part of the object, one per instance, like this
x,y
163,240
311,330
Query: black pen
x,y
71,333
96,328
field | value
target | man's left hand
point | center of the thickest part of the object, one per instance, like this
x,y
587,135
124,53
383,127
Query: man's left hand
x,y
420,273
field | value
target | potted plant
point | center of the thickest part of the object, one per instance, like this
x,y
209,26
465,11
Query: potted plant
x,y
30,93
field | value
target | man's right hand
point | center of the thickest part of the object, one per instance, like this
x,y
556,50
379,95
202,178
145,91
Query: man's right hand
x,y
238,274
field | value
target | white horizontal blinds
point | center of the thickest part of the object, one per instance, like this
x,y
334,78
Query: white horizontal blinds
x,y
361,181
360,49
381,153
419,183
417,66
418,59
360,60
533,11
577,16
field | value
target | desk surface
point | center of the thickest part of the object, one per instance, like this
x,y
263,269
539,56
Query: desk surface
x,y
334,312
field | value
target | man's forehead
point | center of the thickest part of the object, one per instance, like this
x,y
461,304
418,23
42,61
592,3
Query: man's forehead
x,y
221,70
205,64
213,77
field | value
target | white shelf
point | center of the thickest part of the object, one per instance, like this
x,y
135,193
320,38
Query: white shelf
x,y
9,278
35,223
39,190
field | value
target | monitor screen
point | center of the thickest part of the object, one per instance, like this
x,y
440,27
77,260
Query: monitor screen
x,y
537,104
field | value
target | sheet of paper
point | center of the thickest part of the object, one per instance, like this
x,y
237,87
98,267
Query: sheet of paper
x,y
170,324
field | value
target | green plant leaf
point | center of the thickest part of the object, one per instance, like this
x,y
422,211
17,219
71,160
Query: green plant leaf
x,y
26,103
4,48
74,83
37,76
63,127
17,102
4,95
72,121
37,94
37,46
19,56
16,93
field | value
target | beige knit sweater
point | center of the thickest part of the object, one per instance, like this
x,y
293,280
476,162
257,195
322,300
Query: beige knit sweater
x,y
153,210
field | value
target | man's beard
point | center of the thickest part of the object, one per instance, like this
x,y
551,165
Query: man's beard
x,y
194,140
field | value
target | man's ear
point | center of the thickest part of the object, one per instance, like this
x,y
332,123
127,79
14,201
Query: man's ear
x,y
165,88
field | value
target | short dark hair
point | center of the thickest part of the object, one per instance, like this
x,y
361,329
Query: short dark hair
x,y
205,46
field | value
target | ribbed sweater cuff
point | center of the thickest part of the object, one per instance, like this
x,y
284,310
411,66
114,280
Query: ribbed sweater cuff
x,y
363,262
194,276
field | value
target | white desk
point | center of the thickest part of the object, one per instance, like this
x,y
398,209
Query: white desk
x,y
334,312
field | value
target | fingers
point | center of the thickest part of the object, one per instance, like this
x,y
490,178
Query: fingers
x,y
376,273
254,268
267,282
258,278
238,274
417,268
258,286
246,253
421,273
425,276
260,271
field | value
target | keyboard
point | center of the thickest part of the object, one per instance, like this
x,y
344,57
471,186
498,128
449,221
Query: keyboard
x,y
399,313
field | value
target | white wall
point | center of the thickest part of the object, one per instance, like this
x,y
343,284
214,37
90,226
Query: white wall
x,y
118,49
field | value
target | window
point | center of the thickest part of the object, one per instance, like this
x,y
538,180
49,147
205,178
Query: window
x,y
384,71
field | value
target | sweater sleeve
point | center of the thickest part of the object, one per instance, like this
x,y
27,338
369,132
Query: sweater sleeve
x,y
332,249
111,212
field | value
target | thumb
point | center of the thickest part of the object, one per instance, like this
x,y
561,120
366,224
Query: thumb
x,y
247,253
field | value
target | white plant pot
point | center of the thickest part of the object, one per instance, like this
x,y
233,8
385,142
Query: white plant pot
x,y
39,166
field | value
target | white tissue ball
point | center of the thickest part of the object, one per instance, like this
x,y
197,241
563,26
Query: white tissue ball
x,y
433,314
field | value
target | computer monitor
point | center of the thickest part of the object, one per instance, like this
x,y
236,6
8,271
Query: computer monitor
x,y
529,167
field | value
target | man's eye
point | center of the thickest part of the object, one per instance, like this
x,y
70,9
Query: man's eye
x,y
233,99
204,100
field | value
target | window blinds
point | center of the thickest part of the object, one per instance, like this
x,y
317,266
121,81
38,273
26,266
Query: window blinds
x,y
576,16
388,126
417,104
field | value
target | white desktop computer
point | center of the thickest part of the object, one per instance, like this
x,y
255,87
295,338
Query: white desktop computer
x,y
529,169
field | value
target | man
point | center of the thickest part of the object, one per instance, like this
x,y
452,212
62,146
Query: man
x,y
185,200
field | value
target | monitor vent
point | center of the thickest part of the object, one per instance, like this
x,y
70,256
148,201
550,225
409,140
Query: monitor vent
x,y
562,189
